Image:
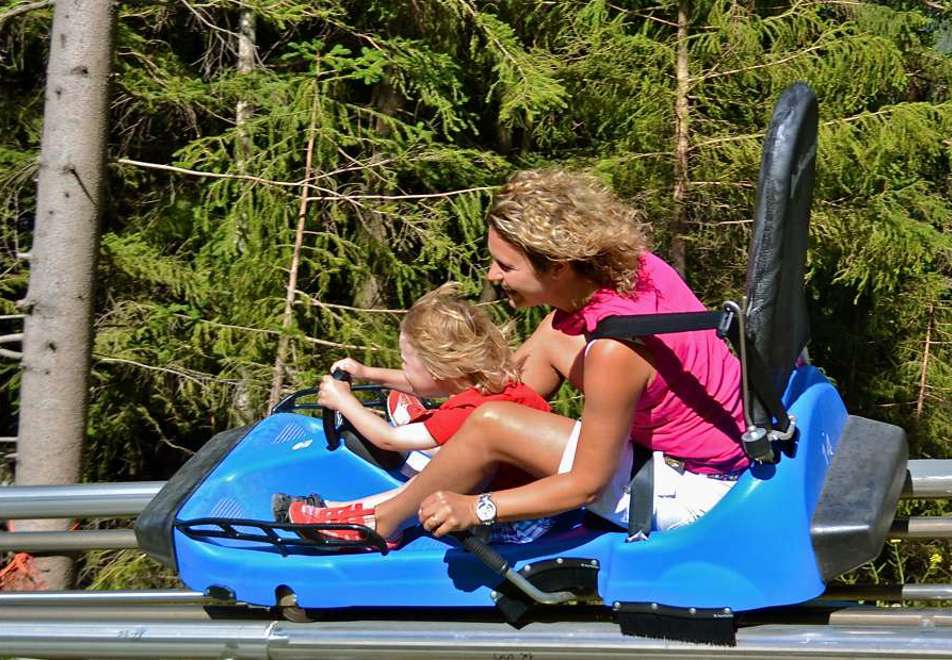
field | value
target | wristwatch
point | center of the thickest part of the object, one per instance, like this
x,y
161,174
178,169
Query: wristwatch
x,y
486,509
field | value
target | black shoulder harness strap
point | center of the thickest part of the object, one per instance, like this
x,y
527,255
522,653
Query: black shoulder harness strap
x,y
641,487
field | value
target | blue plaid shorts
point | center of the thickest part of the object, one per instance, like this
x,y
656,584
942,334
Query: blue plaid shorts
x,y
520,531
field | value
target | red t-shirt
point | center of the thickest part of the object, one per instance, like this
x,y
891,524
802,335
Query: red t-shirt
x,y
445,421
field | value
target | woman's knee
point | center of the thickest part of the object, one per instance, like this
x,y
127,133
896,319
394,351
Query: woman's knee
x,y
490,416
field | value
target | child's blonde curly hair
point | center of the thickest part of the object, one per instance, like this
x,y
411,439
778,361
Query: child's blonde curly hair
x,y
456,339
559,216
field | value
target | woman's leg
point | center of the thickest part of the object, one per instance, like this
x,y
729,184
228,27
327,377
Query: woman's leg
x,y
498,432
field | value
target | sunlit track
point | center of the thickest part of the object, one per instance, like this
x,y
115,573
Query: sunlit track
x,y
131,638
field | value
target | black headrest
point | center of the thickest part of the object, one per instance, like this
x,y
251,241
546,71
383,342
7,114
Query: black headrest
x,y
777,327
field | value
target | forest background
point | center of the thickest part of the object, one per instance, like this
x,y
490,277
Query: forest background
x,y
286,176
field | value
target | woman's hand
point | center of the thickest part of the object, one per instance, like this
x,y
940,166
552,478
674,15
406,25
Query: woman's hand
x,y
333,394
351,366
444,512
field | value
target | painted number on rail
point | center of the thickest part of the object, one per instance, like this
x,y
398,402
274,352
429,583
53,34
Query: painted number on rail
x,y
523,655
133,633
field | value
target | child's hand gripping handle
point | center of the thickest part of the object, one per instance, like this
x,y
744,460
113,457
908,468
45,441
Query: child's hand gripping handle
x,y
332,419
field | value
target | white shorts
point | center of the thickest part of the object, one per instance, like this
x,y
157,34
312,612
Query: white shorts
x,y
679,498
416,461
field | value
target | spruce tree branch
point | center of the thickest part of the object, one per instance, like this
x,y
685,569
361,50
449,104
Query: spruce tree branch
x,y
923,383
305,338
144,414
473,12
830,122
711,76
207,23
367,310
194,376
210,175
448,193
22,9
329,195
701,223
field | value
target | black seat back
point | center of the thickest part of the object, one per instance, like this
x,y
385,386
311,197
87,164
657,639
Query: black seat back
x,y
777,327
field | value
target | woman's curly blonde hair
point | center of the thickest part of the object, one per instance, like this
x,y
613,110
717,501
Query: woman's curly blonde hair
x,y
559,216
456,339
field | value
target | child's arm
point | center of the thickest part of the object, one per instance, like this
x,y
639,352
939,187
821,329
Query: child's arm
x,y
336,395
392,379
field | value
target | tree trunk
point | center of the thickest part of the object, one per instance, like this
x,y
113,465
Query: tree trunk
x,y
59,300
247,56
247,59
924,374
280,360
681,145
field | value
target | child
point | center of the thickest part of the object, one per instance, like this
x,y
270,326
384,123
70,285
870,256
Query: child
x,y
450,348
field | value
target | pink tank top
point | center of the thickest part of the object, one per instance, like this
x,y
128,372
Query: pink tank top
x,y
691,410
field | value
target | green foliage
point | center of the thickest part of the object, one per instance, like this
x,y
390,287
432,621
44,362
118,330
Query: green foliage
x,y
414,111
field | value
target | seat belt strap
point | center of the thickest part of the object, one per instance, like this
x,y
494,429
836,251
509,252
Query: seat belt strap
x,y
637,325
640,494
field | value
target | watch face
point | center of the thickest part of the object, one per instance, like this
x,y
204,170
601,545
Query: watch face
x,y
485,509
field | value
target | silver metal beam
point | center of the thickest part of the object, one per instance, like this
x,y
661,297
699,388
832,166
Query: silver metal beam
x,y
104,614
77,500
80,540
136,598
891,616
125,598
435,639
923,527
888,592
76,541
928,479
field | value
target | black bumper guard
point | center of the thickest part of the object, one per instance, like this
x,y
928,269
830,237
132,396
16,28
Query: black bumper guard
x,y
311,537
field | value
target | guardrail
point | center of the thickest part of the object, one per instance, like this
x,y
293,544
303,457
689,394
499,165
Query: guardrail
x,y
176,623
926,479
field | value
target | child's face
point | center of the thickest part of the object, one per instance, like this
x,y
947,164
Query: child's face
x,y
420,379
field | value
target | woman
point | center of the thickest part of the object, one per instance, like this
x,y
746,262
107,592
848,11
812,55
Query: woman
x,y
562,240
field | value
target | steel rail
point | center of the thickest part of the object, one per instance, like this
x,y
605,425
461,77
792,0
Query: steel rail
x,y
139,598
124,598
100,500
923,527
925,617
75,541
888,592
457,639
926,479
810,613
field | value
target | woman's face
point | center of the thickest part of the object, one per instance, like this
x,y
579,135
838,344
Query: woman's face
x,y
511,270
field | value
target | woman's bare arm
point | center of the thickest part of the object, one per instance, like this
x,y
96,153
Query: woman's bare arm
x,y
615,376
548,357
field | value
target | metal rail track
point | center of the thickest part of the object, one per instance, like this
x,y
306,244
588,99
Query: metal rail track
x,y
187,624
926,479
130,638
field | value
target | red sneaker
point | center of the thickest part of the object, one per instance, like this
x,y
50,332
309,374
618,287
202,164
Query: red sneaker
x,y
403,408
353,514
